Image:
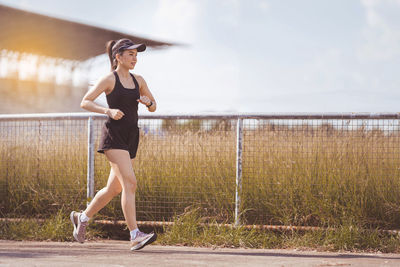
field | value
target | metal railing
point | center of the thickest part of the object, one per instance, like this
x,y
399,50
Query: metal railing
x,y
281,160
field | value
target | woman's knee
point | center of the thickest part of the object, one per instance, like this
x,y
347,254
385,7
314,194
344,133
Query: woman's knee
x,y
130,184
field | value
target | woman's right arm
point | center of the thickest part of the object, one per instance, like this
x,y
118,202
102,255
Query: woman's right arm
x,y
101,86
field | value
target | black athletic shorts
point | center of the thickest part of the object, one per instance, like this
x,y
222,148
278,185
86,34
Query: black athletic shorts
x,y
115,136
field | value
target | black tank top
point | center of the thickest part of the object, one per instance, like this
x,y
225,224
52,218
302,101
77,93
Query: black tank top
x,y
124,99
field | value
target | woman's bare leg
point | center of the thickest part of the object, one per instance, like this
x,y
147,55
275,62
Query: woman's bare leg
x,y
105,195
122,165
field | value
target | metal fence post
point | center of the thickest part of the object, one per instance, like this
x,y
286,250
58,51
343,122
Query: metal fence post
x,y
239,147
90,163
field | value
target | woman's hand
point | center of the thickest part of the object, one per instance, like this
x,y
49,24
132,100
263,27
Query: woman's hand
x,y
144,100
115,114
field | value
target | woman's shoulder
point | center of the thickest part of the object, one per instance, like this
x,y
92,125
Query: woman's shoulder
x,y
108,79
106,82
139,79
137,76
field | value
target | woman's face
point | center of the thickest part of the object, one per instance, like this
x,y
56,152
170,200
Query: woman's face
x,y
128,58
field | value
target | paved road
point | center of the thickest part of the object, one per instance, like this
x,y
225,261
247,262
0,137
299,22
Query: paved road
x,y
117,253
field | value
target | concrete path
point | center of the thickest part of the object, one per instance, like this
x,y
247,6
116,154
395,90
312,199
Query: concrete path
x,y
117,253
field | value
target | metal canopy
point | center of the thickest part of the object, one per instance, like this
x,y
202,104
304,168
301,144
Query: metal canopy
x,y
33,33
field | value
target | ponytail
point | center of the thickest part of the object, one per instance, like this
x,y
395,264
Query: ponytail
x,y
113,61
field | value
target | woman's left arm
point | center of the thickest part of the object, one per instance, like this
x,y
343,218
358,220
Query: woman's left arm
x,y
146,98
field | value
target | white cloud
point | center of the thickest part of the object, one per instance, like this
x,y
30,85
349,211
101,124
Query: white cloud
x,y
263,5
325,72
231,12
176,20
382,35
188,80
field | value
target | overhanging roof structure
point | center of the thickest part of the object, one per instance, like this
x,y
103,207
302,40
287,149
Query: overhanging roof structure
x,y
28,32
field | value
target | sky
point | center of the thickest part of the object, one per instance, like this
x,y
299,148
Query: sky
x,y
255,56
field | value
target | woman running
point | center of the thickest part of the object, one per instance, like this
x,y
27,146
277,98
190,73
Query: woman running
x,y
119,137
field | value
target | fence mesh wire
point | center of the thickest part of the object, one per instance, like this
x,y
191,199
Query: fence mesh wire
x,y
42,166
180,164
321,172
295,171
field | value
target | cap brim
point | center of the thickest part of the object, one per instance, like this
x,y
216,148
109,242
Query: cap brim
x,y
138,47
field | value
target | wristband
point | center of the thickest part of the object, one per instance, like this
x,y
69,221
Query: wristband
x,y
151,103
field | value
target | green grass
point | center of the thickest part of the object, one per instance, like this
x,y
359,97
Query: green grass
x,y
56,227
188,230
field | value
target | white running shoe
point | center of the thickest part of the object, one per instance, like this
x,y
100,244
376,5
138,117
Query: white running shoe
x,y
79,227
142,239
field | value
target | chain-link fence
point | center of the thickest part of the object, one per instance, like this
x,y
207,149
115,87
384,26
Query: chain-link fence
x,y
290,169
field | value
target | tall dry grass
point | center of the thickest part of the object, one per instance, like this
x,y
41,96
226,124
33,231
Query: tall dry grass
x,y
322,176
291,175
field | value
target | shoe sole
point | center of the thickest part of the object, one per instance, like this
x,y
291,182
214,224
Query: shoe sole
x,y
71,216
145,243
